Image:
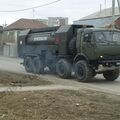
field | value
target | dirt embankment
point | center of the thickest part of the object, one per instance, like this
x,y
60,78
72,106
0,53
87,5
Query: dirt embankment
x,y
59,105
14,79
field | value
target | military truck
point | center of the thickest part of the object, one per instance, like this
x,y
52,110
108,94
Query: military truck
x,y
80,49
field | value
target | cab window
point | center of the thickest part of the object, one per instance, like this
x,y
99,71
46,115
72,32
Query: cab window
x,y
87,37
100,37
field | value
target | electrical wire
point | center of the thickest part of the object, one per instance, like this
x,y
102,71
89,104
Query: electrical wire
x,y
31,8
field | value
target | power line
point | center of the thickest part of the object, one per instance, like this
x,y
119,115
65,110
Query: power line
x,y
21,4
31,8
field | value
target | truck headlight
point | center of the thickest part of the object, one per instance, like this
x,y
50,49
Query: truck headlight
x,y
101,56
21,42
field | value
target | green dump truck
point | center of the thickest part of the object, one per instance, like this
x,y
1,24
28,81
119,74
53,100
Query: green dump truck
x,y
80,49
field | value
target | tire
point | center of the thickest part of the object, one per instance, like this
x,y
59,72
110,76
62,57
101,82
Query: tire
x,y
82,72
52,68
72,46
93,73
28,63
63,69
111,75
38,65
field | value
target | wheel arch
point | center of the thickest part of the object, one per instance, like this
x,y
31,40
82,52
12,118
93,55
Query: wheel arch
x,y
81,57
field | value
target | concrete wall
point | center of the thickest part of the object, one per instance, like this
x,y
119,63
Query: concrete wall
x,y
1,50
0,38
9,43
10,36
10,50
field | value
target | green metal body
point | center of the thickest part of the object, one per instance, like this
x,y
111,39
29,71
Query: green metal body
x,y
71,42
93,49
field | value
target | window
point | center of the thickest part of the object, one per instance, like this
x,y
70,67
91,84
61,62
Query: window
x,y
116,37
103,37
100,37
107,37
87,37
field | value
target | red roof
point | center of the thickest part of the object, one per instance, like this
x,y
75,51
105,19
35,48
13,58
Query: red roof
x,y
25,24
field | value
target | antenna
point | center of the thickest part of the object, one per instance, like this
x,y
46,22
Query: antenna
x,y
33,10
105,4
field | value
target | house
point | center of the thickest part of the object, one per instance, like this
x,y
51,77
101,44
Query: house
x,y
101,18
11,32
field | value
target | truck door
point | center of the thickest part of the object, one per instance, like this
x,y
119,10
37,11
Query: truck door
x,y
88,44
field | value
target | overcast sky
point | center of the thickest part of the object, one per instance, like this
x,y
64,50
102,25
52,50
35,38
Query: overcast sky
x,y
74,9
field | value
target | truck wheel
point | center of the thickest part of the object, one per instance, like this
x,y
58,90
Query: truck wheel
x,y
111,75
93,73
52,69
82,72
63,69
38,65
28,62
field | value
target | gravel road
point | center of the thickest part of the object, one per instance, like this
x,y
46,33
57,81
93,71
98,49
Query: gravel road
x,y
98,83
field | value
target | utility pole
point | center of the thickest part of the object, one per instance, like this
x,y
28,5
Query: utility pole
x,y
118,5
113,13
105,7
113,8
105,4
33,10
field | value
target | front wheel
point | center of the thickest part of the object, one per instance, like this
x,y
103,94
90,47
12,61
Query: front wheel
x,y
83,72
111,75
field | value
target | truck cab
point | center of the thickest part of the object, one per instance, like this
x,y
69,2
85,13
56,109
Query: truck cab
x,y
99,51
100,44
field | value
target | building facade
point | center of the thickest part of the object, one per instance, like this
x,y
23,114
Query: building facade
x,y
101,18
57,21
10,35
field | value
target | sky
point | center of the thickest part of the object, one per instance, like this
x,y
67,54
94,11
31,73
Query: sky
x,y
73,9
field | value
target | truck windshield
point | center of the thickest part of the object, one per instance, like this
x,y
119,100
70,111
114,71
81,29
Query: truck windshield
x,y
107,37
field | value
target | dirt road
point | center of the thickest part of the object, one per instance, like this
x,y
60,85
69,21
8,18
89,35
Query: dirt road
x,y
13,65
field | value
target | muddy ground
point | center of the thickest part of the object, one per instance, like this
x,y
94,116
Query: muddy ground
x,y
14,79
59,105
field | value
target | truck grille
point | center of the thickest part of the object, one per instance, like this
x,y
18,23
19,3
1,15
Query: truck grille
x,y
112,57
